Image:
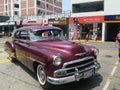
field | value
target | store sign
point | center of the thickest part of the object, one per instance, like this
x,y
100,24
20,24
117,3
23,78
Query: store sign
x,y
56,22
32,22
112,17
39,21
91,19
117,17
61,22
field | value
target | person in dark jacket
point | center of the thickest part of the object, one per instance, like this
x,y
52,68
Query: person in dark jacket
x,y
117,43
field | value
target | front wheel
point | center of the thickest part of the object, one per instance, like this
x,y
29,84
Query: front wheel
x,y
42,77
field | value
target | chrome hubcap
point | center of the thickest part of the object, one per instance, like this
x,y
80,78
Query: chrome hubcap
x,y
41,75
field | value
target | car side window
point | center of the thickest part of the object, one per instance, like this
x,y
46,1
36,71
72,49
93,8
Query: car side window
x,y
16,35
24,35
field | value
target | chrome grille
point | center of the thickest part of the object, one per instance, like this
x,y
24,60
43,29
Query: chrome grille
x,y
80,64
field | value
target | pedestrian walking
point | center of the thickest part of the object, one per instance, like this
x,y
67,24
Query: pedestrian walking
x,y
117,43
75,32
98,34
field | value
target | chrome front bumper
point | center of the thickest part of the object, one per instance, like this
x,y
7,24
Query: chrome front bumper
x,y
75,77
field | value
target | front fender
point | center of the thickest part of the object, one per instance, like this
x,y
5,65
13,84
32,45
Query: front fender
x,y
45,56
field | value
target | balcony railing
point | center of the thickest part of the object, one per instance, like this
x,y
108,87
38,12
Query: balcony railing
x,y
58,15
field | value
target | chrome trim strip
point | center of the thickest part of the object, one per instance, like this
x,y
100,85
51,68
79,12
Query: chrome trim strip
x,y
80,54
76,61
34,60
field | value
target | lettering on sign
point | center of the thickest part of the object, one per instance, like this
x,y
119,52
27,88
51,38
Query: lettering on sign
x,y
63,22
50,22
91,20
58,22
31,21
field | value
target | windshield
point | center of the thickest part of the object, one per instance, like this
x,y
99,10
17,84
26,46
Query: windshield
x,y
46,34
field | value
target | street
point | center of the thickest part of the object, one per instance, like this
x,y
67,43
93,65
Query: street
x,y
15,76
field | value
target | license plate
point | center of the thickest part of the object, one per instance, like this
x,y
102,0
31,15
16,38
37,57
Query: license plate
x,y
88,74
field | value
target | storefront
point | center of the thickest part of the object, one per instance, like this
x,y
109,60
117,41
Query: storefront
x,y
90,26
5,25
112,25
6,28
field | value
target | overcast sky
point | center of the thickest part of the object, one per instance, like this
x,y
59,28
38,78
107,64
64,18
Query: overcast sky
x,y
66,5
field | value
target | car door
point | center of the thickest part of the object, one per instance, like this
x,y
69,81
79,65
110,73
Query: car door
x,y
21,45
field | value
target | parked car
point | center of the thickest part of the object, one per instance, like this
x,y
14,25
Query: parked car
x,y
55,60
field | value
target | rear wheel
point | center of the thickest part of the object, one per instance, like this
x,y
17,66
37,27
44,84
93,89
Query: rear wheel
x,y
42,77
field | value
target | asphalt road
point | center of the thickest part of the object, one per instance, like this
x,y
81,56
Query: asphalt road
x,y
15,76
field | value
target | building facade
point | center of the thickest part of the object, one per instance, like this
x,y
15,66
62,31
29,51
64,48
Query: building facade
x,y
14,8
96,18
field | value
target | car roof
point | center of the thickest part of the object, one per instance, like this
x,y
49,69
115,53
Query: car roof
x,y
35,28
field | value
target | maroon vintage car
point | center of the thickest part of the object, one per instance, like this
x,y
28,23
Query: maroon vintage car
x,y
55,60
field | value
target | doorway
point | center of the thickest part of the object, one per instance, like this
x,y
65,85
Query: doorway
x,y
111,31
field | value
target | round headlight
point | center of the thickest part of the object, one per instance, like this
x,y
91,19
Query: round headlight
x,y
96,51
57,60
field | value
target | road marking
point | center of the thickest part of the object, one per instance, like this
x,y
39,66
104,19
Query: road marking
x,y
111,75
4,61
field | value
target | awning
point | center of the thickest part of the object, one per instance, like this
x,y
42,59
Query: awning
x,y
7,23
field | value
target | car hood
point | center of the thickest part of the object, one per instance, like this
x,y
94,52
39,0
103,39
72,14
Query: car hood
x,y
61,46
